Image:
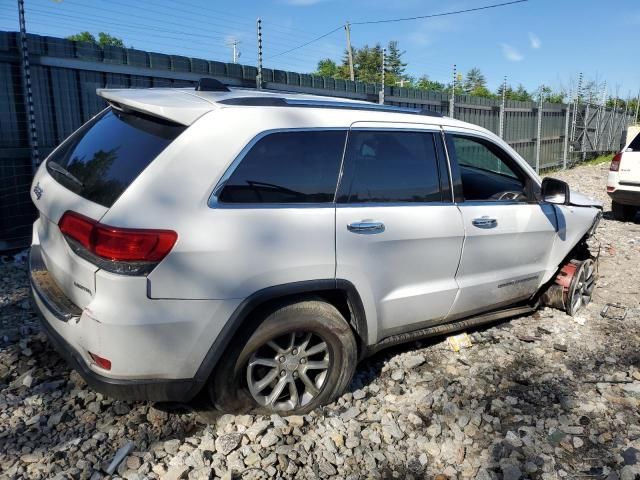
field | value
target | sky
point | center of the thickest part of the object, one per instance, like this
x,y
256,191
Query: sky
x,y
539,42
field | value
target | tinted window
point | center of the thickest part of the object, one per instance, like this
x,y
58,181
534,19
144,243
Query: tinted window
x,y
635,144
101,159
288,167
390,167
485,172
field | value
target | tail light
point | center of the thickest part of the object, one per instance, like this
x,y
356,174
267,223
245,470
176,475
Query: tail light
x,y
120,250
615,163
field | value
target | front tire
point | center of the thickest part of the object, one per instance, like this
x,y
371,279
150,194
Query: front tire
x,y
623,213
300,356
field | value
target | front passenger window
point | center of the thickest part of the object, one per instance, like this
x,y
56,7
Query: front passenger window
x,y
485,171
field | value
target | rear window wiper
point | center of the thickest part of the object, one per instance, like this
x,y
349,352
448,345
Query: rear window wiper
x,y
56,167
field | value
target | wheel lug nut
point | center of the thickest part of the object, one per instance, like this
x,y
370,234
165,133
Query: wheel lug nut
x,y
303,360
295,351
295,374
282,359
282,373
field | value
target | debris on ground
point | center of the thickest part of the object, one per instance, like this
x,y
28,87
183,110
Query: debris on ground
x,y
458,342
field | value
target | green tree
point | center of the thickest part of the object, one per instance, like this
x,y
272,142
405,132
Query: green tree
x,y
553,96
367,64
83,37
327,68
425,83
103,40
475,81
106,39
394,62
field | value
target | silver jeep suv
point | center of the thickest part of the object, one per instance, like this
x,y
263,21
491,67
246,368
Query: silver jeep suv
x,y
257,244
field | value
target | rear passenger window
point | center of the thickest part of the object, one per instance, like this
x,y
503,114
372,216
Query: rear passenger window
x,y
288,167
634,146
390,166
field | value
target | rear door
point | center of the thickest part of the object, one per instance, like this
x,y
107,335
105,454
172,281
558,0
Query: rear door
x,y
398,234
629,172
508,233
86,174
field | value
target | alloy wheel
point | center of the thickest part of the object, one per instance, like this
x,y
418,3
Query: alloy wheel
x,y
289,371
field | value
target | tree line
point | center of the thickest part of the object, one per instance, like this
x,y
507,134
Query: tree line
x,y
367,66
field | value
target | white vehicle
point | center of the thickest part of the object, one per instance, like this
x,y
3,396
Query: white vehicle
x,y
623,183
258,244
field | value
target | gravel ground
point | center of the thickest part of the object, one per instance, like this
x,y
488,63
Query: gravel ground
x,y
514,405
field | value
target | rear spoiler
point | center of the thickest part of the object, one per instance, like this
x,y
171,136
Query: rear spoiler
x,y
179,106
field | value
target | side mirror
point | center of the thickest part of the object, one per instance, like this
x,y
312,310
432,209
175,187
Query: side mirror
x,y
555,191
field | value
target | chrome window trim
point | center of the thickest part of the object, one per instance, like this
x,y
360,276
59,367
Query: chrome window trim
x,y
443,139
214,202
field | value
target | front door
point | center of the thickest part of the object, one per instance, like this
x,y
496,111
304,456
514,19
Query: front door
x,y
398,234
508,233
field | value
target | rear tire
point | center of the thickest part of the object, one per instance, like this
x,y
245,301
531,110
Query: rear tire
x,y
301,355
623,213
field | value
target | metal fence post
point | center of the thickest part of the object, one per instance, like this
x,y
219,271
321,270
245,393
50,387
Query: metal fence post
x,y
539,134
381,96
259,76
565,148
26,88
585,131
452,96
502,108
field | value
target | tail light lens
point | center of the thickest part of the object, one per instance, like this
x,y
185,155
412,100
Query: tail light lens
x,y
615,163
121,250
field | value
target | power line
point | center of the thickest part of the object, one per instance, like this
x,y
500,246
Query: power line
x,y
455,12
307,43
370,22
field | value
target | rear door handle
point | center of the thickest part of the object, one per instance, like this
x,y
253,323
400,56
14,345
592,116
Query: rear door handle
x,y
366,226
485,222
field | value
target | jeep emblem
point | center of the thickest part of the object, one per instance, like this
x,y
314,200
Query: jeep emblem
x,y
38,191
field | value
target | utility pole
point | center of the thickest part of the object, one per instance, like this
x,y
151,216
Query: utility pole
x,y
637,107
347,29
236,51
381,96
567,119
259,76
502,107
26,88
539,135
452,96
585,132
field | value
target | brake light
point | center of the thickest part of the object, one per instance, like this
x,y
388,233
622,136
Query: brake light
x,y
615,163
118,244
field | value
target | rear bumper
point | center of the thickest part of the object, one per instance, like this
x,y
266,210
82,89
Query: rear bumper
x,y
626,197
52,306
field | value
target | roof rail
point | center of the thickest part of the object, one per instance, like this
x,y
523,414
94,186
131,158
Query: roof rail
x,y
211,85
295,102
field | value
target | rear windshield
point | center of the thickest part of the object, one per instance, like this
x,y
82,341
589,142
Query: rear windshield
x,y
104,156
635,144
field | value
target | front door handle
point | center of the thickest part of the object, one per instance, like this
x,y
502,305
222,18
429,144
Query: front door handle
x,y
485,222
366,226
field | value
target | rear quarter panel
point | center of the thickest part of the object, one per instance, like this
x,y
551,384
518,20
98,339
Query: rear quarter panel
x,y
233,251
